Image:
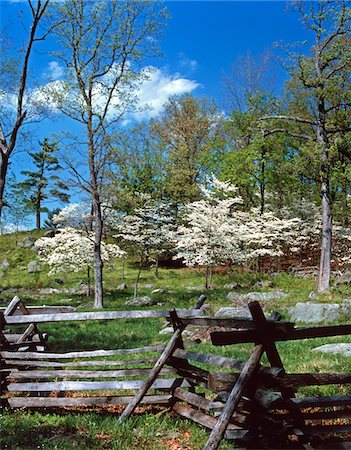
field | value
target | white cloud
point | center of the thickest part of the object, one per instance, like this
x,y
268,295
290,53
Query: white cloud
x,y
151,94
54,71
154,92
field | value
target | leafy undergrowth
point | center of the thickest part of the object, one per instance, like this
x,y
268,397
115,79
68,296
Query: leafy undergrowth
x,y
148,428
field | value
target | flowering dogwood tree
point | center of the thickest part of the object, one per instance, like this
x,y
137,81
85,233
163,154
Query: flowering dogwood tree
x,y
71,250
146,233
208,236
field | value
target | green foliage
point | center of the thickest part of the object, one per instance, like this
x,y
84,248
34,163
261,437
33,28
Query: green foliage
x,y
42,184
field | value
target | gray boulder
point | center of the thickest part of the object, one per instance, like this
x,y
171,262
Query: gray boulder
x,y
231,312
264,296
147,286
122,286
234,296
232,286
344,349
26,243
49,291
320,312
159,291
343,279
141,301
5,264
167,330
33,267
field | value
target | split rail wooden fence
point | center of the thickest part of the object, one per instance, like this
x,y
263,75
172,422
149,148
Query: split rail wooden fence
x,y
255,405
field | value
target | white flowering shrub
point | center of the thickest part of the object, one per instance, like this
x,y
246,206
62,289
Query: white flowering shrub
x,y
71,250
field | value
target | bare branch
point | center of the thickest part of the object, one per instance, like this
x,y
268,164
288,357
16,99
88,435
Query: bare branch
x,y
290,118
289,133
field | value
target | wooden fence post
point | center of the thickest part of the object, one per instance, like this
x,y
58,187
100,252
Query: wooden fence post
x,y
234,398
152,375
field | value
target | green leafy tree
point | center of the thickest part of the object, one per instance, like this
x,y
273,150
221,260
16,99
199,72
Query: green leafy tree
x,y
318,105
43,183
190,131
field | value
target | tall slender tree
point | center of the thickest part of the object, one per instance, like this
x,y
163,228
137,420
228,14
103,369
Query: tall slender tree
x,y
102,45
321,113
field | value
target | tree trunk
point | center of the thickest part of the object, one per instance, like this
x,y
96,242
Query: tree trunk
x,y
156,267
208,277
325,259
98,264
123,267
326,244
37,218
4,163
136,287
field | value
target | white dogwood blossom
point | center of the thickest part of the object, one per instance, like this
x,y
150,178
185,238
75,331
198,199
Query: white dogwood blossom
x,y
71,250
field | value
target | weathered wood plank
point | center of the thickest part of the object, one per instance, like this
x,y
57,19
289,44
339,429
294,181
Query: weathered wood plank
x,y
14,338
295,380
173,342
98,315
83,354
92,363
211,359
237,322
197,400
88,385
47,402
12,306
232,432
234,398
45,374
246,336
43,310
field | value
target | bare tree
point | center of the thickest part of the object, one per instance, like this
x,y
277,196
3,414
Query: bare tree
x,y
102,45
9,132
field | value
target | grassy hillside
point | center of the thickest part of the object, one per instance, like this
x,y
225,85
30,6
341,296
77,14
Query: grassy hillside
x,y
153,429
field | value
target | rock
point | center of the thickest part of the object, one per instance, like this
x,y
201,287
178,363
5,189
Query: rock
x,y
58,281
196,288
312,295
231,312
232,286
264,284
49,233
264,296
33,266
159,291
343,279
21,267
5,264
122,286
344,349
320,312
49,291
234,296
26,243
141,301
167,330
147,286
276,274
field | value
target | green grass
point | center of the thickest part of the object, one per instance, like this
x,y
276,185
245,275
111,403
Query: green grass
x,y
155,429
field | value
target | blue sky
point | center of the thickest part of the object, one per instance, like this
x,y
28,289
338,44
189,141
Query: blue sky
x,y
200,43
